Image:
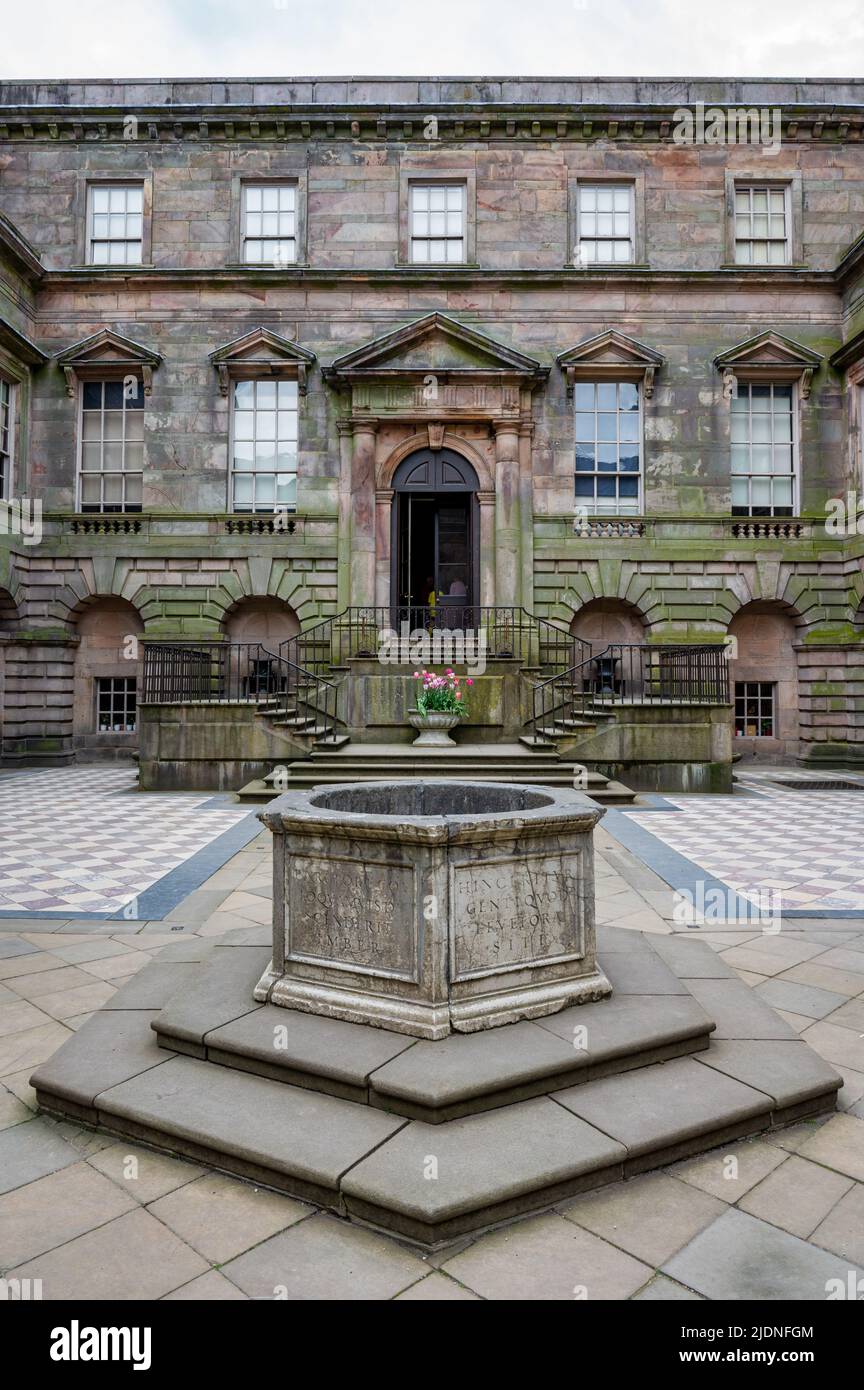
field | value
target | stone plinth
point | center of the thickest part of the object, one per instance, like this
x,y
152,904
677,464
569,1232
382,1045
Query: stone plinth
x,y
427,907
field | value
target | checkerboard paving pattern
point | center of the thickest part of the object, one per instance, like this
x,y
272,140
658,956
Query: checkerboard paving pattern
x,y
804,846
84,840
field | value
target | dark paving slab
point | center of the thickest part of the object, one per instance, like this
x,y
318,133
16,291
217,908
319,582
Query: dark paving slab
x,y
639,973
31,1150
791,1073
638,1029
692,960
490,1066
737,1011
295,1139
221,993
306,1049
740,1258
486,1167
153,985
108,1049
667,1111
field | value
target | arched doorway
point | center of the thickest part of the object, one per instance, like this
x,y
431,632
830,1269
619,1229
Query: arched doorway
x,y
603,621
107,666
435,542
265,620
764,672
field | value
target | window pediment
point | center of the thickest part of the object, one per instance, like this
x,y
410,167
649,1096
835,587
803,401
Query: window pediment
x,y
611,356
436,344
107,354
768,357
261,353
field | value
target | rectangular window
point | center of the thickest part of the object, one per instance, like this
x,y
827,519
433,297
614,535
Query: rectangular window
x,y
761,225
112,447
116,698
608,447
754,709
606,230
7,433
264,446
437,213
763,450
269,215
116,224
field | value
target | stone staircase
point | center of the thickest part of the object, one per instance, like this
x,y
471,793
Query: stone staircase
x,y
530,762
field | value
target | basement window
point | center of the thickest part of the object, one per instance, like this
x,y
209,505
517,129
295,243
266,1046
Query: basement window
x,y
754,709
116,702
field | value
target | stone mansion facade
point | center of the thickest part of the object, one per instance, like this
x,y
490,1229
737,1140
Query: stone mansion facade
x,y
272,349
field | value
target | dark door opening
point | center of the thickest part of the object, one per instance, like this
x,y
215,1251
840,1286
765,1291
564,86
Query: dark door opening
x,y
435,553
435,572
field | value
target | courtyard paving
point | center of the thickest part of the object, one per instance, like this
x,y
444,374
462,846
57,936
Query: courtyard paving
x,y
768,1218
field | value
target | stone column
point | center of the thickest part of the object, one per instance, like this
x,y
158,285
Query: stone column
x,y
508,548
486,558
526,513
343,539
383,517
363,514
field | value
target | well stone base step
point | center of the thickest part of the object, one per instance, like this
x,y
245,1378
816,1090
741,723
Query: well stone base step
x,y
534,765
368,1163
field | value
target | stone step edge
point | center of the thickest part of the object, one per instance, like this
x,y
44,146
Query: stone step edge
x,y
393,1222
223,1055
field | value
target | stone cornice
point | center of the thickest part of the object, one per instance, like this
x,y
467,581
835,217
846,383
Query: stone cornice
x,y
746,278
25,256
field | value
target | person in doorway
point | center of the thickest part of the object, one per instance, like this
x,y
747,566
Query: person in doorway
x,y
458,589
427,593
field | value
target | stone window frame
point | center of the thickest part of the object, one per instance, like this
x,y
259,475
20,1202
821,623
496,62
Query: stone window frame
x,y
607,176
300,181
97,711
88,180
411,173
743,379
278,507
9,460
763,701
597,510
793,182
107,372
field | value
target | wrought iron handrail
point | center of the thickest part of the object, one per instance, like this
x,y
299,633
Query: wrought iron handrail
x,y
238,673
508,632
631,673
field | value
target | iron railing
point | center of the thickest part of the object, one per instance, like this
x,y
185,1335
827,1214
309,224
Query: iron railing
x,y
499,632
631,674
239,673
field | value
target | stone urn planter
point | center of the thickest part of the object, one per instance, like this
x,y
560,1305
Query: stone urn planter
x,y
434,728
431,907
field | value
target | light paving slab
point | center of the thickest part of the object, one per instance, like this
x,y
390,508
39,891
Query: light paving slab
x,y
133,1257
55,1209
650,1217
30,1150
145,1175
547,1257
842,1230
797,1196
221,1217
322,1258
839,1144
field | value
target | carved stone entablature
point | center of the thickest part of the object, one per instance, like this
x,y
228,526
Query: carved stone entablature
x,y
107,354
611,356
262,353
767,357
437,366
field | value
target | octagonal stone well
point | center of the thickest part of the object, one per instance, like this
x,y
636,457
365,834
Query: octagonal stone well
x,y
428,907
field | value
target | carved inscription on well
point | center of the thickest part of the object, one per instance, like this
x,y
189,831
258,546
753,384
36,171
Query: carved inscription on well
x,y
506,912
353,912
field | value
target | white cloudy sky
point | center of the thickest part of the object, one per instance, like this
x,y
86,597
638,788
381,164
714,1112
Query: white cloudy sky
x,y
172,38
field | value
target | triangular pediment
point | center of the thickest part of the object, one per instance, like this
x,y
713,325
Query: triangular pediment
x,y
610,349
107,348
769,350
263,346
435,343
